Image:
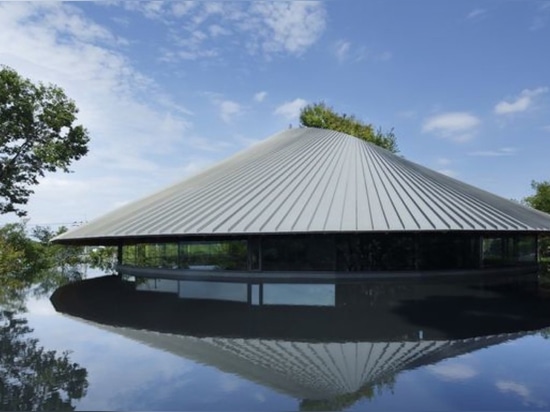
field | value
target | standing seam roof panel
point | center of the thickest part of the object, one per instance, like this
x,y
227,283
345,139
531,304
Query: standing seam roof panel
x,y
312,180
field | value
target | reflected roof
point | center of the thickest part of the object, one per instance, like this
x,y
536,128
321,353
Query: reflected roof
x,y
312,180
310,370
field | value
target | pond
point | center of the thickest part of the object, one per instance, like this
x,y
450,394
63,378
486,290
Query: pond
x,y
347,346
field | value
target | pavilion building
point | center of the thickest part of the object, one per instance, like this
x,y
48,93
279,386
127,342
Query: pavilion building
x,y
321,204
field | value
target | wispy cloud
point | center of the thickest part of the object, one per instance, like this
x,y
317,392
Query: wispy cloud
x,y
546,128
541,19
341,50
260,96
115,100
443,161
519,390
476,13
448,172
504,151
344,50
265,28
521,103
453,371
229,109
407,114
384,56
291,110
455,126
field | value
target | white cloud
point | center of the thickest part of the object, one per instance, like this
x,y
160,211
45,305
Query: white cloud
x,y
443,161
504,151
56,43
476,13
546,128
407,114
291,110
513,387
268,28
229,109
453,371
541,19
539,22
384,56
520,104
456,126
260,96
229,383
216,30
520,390
448,172
341,50
260,397
290,27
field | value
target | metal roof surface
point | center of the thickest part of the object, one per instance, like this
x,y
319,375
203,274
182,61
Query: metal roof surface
x,y
313,180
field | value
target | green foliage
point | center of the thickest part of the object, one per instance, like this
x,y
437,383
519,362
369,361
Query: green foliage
x,y
32,378
103,258
37,135
21,258
26,262
541,199
62,264
346,400
324,117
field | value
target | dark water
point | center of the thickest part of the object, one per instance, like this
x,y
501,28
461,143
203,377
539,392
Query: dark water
x,y
383,346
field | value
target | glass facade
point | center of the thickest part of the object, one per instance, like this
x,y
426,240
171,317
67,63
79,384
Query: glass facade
x,y
509,250
355,252
202,255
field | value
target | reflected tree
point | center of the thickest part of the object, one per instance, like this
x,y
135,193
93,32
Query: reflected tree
x,y
32,378
342,402
61,264
31,261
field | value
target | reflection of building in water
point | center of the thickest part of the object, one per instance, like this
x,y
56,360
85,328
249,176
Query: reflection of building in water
x,y
323,204
326,355
310,370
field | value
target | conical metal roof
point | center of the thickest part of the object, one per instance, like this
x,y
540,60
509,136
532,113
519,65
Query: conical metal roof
x,y
312,180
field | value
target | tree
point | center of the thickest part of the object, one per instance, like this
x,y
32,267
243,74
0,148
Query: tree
x,y
541,199
37,135
324,117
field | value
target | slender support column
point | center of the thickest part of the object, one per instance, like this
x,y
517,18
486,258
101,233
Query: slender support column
x,y
537,246
480,254
119,257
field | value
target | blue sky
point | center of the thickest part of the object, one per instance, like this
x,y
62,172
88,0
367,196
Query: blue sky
x,y
168,88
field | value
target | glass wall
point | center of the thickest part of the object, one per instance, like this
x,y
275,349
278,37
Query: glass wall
x,y
298,252
339,252
374,252
214,255
511,250
161,255
448,251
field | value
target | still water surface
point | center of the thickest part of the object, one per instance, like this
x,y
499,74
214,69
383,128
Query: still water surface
x,y
380,346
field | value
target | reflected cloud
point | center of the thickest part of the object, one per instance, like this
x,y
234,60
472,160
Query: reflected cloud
x,y
520,390
230,383
453,371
